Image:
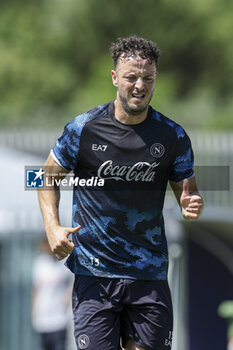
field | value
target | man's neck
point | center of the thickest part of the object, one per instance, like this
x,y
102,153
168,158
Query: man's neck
x,y
126,118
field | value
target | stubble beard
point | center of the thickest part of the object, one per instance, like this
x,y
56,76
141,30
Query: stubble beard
x,y
130,110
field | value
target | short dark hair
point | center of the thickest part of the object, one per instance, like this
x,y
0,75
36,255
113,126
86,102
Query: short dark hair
x,y
134,46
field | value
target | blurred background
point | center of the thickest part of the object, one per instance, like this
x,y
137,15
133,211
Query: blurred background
x,y
54,65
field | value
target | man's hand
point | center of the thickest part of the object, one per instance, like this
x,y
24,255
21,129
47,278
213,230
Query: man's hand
x,y
59,243
49,202
191,202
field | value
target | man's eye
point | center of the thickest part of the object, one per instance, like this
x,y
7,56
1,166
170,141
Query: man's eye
x,y
131,78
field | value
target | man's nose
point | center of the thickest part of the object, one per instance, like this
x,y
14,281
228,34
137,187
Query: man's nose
x,y
139,84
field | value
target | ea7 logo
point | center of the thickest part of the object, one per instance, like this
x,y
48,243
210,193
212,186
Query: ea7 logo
x,y
96,147
168,341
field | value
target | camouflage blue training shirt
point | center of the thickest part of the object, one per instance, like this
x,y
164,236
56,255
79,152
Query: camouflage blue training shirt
x,y
122,234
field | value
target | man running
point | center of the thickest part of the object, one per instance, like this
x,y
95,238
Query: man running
x,y
119,252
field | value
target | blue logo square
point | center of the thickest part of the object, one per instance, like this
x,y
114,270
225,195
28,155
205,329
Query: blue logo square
x,y
35,178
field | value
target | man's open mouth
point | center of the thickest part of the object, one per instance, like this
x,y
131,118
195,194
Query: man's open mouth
x,y
138,96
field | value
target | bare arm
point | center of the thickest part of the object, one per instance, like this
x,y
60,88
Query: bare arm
x,y
49,204
188,197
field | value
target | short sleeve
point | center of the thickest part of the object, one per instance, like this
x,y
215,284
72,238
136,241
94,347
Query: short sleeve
x,y
182,167
66,150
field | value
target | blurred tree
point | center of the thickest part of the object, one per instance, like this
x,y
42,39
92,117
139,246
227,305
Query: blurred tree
x,y
54,59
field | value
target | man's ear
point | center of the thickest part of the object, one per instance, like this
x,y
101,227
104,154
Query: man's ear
x,y
114,78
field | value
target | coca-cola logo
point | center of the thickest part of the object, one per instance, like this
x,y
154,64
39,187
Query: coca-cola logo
x,y
141,171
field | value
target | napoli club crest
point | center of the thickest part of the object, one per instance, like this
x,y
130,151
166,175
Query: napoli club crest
x,y
157,150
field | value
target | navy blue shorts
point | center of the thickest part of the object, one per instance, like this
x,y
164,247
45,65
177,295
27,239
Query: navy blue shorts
x,y
109,311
